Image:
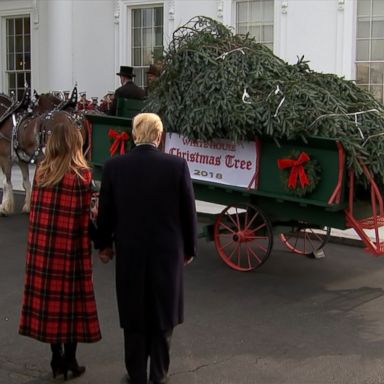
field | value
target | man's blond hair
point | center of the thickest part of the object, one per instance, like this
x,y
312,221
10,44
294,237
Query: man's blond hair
x,y
146,128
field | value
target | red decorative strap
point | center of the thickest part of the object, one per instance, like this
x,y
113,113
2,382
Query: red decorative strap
x,y
119,141
297,171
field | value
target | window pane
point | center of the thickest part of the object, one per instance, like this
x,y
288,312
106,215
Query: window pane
x,y
363,27
377,49
19,43
147,37
159,36
242,30
28,78
377,73
147,56
11,62
10,27
27,44
378,7
158,52
242,10
27,28
20,80
378,29
12,80
136,37
19,26
19,62
136,17
256,32
27,61
377,91
364,7
362,73
137,56
147,17
362,50
255,13
159,18
11,44
267,9
267,33
139,72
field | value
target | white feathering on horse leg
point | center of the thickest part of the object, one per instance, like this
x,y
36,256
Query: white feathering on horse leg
x,y
27,187
8,204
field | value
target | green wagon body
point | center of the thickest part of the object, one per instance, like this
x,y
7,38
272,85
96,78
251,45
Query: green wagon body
x,y
326,206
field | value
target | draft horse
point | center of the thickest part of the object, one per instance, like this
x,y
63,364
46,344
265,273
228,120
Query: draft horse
x,y
22,139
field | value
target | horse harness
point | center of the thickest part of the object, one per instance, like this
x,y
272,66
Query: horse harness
x,y
17,152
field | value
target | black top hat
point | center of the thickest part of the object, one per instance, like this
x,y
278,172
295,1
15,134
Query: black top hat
x,y
126,71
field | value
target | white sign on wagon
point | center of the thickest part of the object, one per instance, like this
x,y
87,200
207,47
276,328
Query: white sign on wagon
x,y
218,161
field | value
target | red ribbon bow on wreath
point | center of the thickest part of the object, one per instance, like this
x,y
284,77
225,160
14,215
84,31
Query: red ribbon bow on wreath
x,y
120,139
297,171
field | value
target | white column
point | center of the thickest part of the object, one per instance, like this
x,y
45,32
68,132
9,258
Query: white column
x,y
59,44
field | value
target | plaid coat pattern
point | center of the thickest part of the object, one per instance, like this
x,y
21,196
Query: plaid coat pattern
x,y
58,303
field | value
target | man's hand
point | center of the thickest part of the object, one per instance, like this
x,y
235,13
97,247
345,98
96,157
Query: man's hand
x,y
106,255
188,260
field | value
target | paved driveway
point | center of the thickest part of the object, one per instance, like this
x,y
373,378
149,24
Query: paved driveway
x,y
294,321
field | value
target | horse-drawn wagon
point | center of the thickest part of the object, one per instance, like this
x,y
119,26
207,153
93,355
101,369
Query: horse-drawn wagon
x,y
299,190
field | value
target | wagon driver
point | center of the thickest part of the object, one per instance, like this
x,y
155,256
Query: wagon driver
x,y
128,89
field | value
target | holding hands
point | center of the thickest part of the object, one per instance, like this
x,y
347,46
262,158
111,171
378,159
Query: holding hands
x,y
106,255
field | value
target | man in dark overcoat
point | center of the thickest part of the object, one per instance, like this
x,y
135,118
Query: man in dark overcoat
x,y
147,209
128,89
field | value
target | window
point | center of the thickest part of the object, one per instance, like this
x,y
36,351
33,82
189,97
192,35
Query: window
x,y
147,40
256,17
18,54
370,47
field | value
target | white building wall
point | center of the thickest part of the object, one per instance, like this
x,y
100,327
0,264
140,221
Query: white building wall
x,y
93,52
321,30
87,40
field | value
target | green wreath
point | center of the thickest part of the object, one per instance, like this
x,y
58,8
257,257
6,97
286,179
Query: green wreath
x,y
306,176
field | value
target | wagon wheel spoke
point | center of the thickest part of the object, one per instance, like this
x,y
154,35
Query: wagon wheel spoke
x,y
233,252
233,221
237,219
252,220
255,255
228,228
228,244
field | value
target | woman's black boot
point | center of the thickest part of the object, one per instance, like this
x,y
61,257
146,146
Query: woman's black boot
x,y
71,364
57,362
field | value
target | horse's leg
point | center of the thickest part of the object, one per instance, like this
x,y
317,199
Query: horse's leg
x,y
8,203
26,185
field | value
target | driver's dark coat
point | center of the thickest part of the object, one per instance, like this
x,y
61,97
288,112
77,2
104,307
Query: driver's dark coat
x,y
128,91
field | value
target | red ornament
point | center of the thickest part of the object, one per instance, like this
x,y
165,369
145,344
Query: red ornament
x,y
297,171
119,141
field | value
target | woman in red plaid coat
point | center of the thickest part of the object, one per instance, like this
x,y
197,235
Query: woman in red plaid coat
x,y
59,305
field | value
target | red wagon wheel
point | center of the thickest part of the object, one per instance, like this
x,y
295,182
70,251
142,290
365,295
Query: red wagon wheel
x,y
306,241
243,237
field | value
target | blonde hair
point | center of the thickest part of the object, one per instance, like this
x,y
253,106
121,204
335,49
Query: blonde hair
x,y
63,150
146,128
